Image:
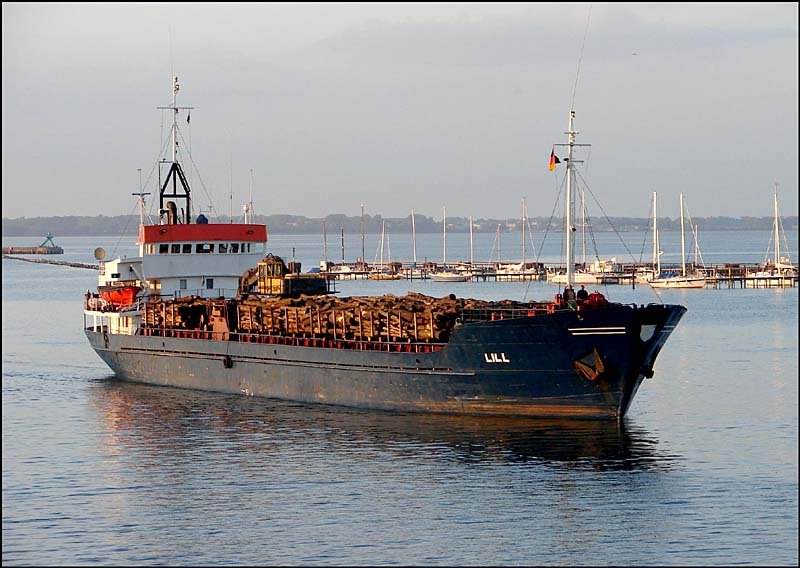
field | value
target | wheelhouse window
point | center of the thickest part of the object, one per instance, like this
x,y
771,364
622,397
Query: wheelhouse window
x,y
163,248
175,249
187,248
209,283
234,247
223,248
204,247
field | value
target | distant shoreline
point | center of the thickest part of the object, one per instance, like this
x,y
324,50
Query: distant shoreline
x,y
101,225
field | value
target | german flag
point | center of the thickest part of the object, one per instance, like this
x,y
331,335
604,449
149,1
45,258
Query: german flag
x,y
553,160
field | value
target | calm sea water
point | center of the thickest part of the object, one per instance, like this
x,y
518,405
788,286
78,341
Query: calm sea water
x,y
703,471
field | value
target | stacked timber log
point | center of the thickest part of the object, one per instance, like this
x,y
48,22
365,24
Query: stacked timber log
x,y
414,317
191,312
388,318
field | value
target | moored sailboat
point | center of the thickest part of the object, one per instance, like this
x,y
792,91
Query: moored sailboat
x,y
385,271
683,280
779,269
445,273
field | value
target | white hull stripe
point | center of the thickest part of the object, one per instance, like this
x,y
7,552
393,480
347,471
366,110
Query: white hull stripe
x,y
596,329
598,333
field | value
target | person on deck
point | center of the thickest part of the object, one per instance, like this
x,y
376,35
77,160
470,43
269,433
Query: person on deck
x,y
569,297
582,294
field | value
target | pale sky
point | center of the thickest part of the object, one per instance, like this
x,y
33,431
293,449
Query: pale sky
x,y
401,106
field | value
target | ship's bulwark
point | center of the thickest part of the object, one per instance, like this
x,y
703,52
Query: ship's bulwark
x,y
578,364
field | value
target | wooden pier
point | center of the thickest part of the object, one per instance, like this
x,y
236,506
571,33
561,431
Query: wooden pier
x,y
722,275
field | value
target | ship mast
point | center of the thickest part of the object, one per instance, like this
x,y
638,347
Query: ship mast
x,y
570,203
175,171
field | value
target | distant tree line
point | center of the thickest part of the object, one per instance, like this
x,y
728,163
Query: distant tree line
x,y
296,224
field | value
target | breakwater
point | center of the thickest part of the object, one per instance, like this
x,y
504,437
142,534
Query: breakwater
x,y
56,262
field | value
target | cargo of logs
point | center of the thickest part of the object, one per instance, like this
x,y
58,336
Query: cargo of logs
x,y
410,318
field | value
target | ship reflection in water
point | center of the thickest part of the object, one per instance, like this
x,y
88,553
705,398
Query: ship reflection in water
x,y
152,419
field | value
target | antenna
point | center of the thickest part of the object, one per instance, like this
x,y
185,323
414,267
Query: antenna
x,y
250,203
580,58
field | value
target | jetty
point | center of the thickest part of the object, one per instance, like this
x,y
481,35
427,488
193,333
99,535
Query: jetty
x,y
720,275
56,262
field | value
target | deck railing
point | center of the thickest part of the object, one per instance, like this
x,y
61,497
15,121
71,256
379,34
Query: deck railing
x,y
295,341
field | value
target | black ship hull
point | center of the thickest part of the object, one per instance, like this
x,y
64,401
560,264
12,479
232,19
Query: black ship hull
x,y
569,363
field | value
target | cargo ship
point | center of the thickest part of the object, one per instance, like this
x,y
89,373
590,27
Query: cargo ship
x,y
205,306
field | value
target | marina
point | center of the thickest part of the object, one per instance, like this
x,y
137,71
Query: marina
x,y
716,275
727,275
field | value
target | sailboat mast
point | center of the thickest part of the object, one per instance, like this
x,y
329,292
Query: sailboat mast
x,y
683,239
777,232
470,242
388,248
523,233
414,237
324,242
444,236
656,255
383,233
363,257
570,203
499,236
